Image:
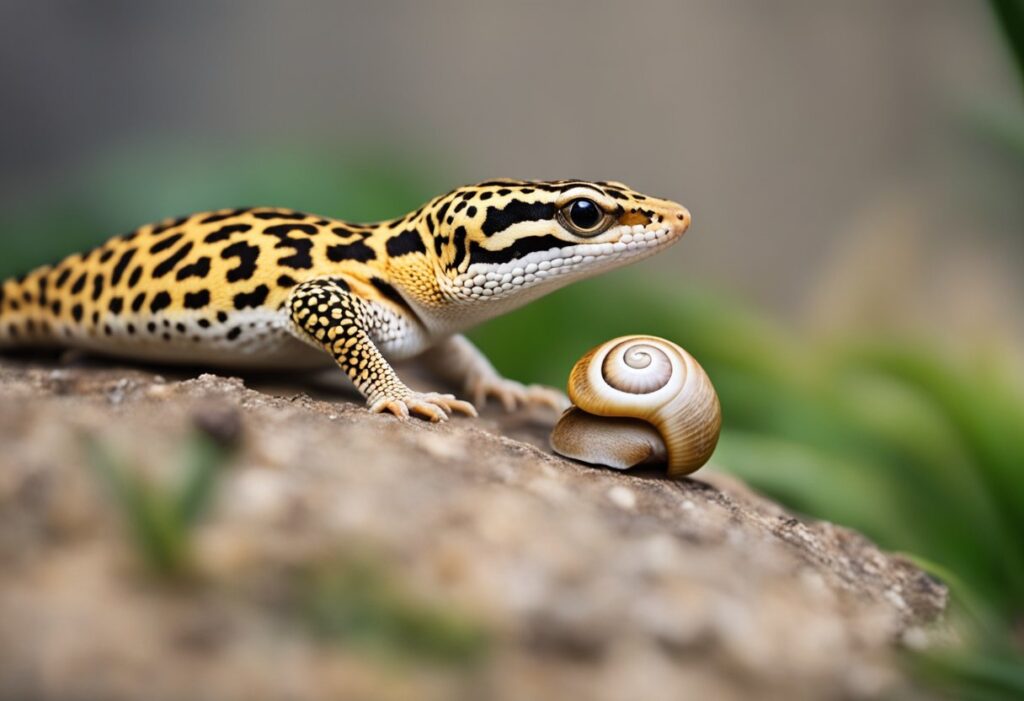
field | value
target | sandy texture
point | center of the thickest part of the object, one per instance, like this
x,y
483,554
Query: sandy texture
x,y
577,582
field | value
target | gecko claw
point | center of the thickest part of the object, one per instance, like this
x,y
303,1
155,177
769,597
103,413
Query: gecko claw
x,y
427,405
514,395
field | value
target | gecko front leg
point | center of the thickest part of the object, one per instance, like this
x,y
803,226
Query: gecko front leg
x,y
458,360
325,313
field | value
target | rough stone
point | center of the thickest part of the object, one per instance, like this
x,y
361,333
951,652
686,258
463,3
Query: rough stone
x,y
586,583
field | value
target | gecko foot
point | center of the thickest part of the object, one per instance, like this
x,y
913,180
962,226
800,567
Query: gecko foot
x,y
513,395
428,405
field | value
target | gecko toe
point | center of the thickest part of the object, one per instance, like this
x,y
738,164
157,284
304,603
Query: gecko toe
x,y
548,397
512,395
430,406
451,404
393,406
434,413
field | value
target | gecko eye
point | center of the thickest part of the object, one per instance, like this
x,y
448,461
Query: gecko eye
x,y
583,217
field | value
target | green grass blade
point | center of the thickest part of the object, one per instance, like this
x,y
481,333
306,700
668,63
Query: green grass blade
x,y
149,514
357,604
204,461
1010,16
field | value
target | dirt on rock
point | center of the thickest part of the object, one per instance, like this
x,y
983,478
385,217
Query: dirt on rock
x,y
345,555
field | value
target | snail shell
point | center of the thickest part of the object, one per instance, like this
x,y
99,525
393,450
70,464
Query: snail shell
x,y
639,399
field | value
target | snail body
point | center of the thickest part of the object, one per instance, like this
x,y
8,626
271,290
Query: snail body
x,y
640,399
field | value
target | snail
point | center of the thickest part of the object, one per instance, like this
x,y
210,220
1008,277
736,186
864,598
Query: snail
x,y
637,400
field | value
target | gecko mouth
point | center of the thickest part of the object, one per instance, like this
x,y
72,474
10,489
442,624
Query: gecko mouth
x,y
495,281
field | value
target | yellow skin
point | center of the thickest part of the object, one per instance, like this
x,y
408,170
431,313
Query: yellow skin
x,y
275,288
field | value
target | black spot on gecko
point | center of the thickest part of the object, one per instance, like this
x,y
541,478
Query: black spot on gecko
x,y
197,300
136,275
121,266
77,313
79,284
515,212
459,241
139,300
518,249
225,232
234,333
444,210
254,298
171,262
280,215
165,243
97,286
345,232
62,278
199,269
301,258
286,281
409,241
160,301
247,255
115,305
357,250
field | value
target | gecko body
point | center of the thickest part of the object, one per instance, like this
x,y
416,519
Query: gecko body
x,y
275,288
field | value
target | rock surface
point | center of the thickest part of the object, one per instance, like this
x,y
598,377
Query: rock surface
x,y
531,576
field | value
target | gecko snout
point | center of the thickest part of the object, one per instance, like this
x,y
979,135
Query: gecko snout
x,y
682,219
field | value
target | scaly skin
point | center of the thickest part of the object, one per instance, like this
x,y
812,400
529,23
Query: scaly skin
x,y
275,288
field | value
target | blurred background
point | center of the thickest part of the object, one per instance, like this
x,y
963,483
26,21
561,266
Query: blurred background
x,y
852,281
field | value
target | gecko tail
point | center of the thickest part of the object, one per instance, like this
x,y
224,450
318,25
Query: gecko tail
x,y
10,314
23,315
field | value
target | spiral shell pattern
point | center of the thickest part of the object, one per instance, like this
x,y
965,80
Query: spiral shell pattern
x,y
653,380
636,367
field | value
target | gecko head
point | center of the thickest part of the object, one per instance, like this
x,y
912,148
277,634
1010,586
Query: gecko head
x,y
505,240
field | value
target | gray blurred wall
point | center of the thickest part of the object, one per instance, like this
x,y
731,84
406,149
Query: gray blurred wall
x,y
778,123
